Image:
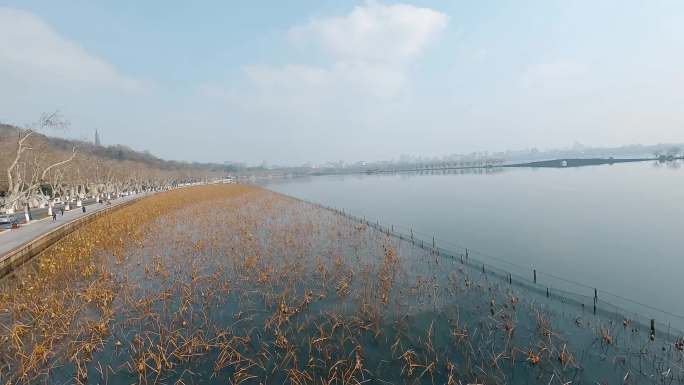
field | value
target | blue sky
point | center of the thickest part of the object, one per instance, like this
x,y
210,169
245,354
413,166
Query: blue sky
x,y
330,80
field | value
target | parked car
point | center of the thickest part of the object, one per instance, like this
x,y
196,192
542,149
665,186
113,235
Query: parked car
x,y
7,220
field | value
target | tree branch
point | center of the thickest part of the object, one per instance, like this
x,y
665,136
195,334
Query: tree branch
x,y
47,169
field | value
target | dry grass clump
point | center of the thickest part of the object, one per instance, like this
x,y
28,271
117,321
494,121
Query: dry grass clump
x,y
234,284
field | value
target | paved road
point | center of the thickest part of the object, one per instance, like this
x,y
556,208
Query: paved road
x,y
11,239
40,213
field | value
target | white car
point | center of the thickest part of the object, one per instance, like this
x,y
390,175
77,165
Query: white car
x,y
6,219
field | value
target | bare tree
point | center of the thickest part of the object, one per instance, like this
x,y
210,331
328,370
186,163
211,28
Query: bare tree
x,y
14,178
25,175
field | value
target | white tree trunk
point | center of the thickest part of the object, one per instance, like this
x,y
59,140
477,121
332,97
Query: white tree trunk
x,y
51,203
79,202
26,213
67,205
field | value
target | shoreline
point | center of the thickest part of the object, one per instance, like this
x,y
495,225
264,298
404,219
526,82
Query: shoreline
x,y
16,257
26,250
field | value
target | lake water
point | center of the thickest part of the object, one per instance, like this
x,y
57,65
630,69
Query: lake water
x,y
616,228
233,284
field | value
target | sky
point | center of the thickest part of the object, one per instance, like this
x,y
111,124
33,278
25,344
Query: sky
x,y
316,81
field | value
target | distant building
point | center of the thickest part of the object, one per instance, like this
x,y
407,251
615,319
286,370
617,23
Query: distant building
x,y
97,138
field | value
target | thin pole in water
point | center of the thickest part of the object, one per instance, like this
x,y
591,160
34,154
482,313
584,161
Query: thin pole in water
x,y
535,275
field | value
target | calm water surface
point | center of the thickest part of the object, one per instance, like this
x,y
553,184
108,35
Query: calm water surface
x,y
619,228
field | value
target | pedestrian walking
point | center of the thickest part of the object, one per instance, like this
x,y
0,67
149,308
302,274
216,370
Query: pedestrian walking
x,y
83,208
61,209
54,216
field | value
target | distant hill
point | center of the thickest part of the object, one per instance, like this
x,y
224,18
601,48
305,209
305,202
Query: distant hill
x,y
114,152
120,155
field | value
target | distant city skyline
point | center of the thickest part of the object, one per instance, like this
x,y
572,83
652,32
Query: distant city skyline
x,y
325,81
576,150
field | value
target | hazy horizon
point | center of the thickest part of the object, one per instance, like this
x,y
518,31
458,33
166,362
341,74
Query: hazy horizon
x,y
328,81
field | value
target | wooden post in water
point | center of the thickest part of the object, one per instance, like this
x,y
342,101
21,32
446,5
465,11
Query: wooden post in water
x,y
595,299
510,278
483,270
652,329
535,275
433,241
547,292
466,254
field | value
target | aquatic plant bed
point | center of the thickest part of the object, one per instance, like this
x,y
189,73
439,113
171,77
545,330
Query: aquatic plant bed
x,y
232,284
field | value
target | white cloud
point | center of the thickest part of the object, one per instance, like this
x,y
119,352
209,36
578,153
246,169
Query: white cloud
x,y
370,51
32,52
362,89
374,32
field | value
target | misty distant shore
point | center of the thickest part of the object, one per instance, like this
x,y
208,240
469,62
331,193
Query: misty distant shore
x,y
552,163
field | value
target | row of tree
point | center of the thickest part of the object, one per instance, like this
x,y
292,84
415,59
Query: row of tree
x,y
41,171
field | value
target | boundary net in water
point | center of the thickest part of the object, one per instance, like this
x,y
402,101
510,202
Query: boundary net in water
x,y
584,296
